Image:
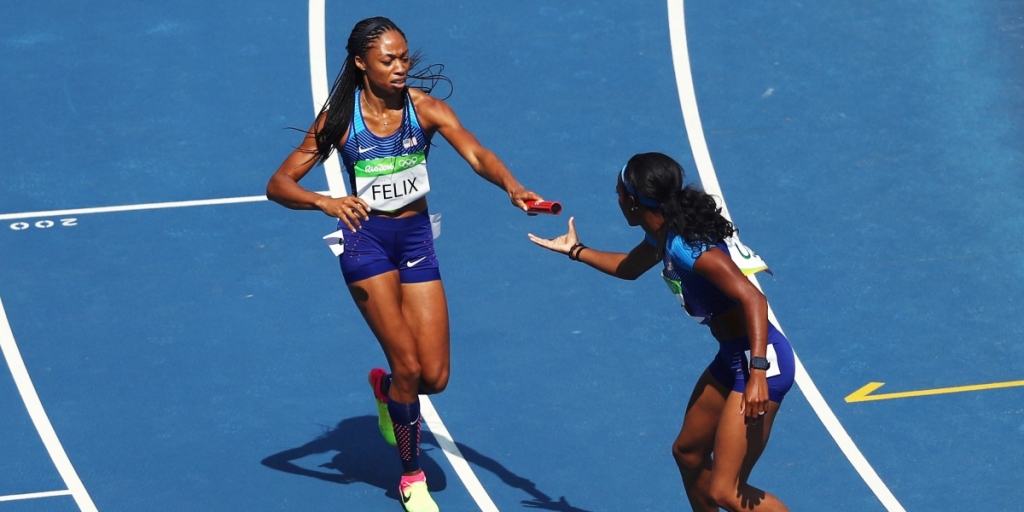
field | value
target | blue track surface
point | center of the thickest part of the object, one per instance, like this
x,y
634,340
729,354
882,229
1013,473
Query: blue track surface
x,y
209,358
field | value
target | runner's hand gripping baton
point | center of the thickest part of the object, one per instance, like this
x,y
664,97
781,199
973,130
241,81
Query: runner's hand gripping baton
x,y
549,207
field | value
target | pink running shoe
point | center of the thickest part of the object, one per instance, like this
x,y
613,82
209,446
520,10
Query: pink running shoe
x,y
414,494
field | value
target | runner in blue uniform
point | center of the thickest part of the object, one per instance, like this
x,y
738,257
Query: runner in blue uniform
x,y
382,128
730,413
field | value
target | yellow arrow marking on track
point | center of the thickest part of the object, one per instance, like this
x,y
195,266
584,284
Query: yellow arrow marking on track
x,y
864,394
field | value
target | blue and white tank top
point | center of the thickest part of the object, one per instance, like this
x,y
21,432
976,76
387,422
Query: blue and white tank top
x,y
387,172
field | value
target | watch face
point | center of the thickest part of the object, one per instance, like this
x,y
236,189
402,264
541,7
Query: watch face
x,y
760,363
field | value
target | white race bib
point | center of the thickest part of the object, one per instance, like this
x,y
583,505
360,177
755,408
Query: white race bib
x,y
746,259
435,225
387,184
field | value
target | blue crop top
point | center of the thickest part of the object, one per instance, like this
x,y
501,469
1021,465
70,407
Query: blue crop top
x,y
701,299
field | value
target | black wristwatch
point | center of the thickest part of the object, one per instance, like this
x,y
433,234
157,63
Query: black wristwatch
x,y
760,363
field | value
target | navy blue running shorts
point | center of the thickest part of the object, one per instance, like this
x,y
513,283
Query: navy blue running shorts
x,y
731,368
384,244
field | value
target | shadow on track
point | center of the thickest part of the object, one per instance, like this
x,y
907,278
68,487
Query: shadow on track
x,y
364,457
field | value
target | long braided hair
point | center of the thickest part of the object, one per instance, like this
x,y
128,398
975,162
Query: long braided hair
x,y
340,108
689,212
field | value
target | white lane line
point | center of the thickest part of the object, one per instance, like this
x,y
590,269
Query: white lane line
x,y
132,207
35,410
318,54
321,92
318,75
706,170
34,495
136,207
458,462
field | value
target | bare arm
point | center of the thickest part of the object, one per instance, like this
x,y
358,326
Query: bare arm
x,y
437,115
621,265
719,269
284,189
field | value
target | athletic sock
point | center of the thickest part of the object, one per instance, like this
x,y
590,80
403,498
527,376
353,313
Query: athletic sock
x,y
411,479
406,420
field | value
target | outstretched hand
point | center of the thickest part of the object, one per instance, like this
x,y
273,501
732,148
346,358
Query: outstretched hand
x,y
561,244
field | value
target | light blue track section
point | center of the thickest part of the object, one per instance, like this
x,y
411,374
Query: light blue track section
x,y
209,358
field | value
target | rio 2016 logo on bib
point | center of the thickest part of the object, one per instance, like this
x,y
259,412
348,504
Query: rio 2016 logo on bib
x,y
390,183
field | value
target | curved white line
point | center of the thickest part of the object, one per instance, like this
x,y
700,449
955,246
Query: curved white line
x,y
42,423
321,92
451,450
706,170
318,54
318,75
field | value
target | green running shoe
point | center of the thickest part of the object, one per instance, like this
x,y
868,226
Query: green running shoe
x,y
414,494
383,416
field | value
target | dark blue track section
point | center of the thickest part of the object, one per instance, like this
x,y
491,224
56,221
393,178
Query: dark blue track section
x,y
210,358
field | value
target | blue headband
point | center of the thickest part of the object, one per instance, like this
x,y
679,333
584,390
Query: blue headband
x,y
646,201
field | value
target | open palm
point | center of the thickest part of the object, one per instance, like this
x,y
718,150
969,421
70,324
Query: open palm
x,y
561,244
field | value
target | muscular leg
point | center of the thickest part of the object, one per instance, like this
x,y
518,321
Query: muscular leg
x,y
411,323
692,448
425,309
738,446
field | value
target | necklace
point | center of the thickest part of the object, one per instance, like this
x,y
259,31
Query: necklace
x,y
382,115
383,119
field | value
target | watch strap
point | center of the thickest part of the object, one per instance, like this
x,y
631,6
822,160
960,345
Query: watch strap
x,y
760,363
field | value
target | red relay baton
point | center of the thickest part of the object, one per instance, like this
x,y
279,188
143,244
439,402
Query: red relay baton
x,y
549,207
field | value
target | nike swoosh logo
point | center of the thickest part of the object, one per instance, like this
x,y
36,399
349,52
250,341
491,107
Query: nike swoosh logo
x,y
406,497
413,263
364,150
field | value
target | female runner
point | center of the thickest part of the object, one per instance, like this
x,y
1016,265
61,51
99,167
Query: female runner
x,y
730,413
382,128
